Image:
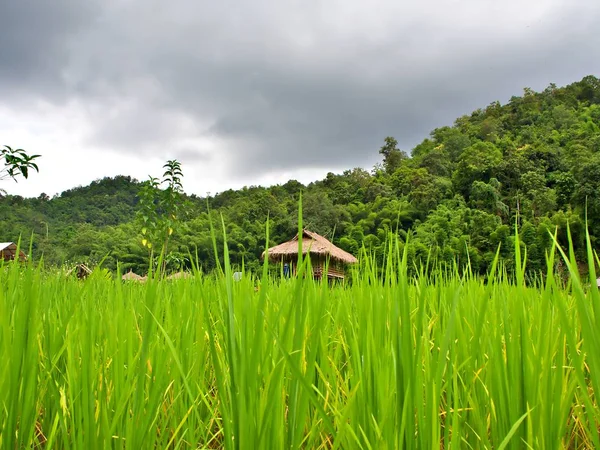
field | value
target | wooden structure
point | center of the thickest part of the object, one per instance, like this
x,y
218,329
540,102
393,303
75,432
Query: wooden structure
x,y
320,251
8,252
81,271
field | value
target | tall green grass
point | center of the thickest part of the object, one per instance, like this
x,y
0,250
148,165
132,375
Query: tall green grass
x,y
384,363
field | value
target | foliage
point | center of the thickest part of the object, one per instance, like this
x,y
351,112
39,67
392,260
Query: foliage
x,y
392,155
533,162
16,163
159,210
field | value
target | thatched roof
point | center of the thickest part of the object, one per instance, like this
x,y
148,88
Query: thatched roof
x,y
179,275
8,251
313,243
131,276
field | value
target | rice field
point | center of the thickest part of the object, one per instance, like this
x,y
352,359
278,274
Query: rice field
x,y
386,362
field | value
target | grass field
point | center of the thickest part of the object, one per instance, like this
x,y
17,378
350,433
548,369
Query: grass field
x,y
416,363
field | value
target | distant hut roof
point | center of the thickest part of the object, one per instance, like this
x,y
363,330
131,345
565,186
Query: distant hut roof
x,y
131,276
311,243
179,275
8,251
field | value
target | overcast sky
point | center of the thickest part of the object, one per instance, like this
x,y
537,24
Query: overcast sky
x,y
247,92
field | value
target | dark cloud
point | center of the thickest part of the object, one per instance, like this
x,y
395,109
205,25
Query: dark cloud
x,y
35,39
192,155
282,85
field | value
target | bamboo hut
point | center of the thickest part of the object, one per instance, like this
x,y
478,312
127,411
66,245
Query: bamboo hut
x,y
320,250
81,271
8,252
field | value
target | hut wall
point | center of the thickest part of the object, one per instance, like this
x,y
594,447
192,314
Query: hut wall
x,y
318,263
334,270
8,255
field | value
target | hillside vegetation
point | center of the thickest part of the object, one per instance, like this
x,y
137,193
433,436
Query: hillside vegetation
x,y
534,161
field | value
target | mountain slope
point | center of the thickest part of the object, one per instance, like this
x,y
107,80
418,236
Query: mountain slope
x,y
534,161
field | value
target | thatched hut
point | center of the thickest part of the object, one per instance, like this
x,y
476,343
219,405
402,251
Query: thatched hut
x,y
8,252
320,251
179,276
131,276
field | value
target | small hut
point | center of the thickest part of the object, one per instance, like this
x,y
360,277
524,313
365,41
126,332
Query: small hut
x,y
132,276
319,249
8,252
179,275
81,271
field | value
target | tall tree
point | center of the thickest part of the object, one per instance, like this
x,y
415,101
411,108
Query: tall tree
x,y
392,155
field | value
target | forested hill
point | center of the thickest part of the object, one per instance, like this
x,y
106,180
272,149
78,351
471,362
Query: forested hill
x,y
460,190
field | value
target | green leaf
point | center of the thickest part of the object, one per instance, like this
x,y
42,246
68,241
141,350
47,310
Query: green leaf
x,y
512,431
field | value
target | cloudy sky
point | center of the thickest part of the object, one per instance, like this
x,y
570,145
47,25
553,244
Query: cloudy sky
x,y
247,92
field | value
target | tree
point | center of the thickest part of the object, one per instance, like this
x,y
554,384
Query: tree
x,y
457,196
477,163
486,197
452,140
392,155
320,214
160,209
16,163
437,162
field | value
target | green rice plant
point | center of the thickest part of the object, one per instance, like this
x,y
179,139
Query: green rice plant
x,y
389,361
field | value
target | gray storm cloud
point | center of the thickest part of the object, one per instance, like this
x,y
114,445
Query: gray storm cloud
x,y
285,85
